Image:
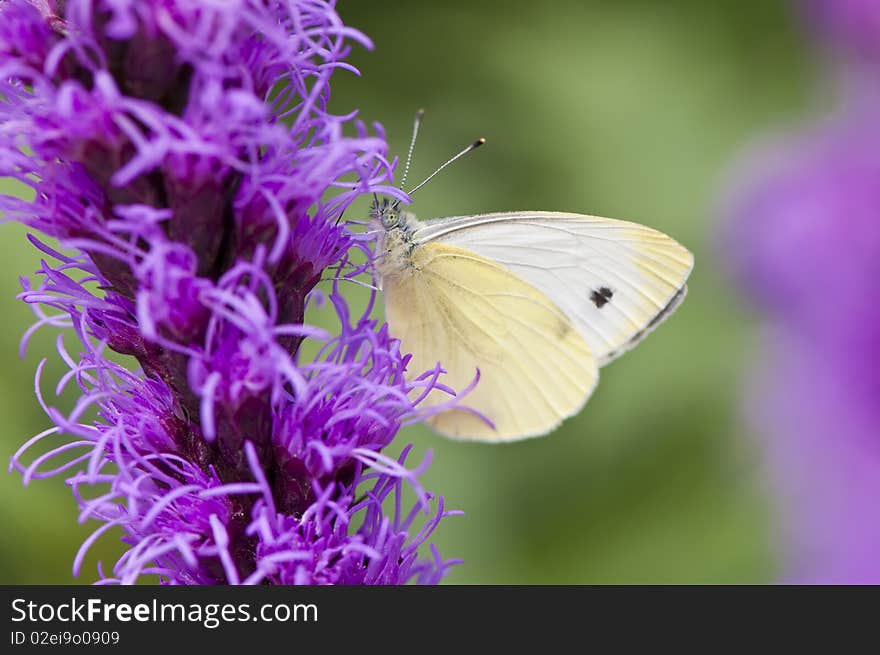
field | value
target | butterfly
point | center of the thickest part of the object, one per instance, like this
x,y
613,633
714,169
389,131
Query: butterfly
x,y
535,301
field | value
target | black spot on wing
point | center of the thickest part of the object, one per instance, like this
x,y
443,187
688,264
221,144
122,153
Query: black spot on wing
x,y
562,328
601,296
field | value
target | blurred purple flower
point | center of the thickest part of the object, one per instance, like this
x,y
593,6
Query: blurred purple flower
x,y
184,151
804,240
821,439
851,26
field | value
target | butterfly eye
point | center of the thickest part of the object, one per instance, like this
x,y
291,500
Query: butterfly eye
x,y
389,219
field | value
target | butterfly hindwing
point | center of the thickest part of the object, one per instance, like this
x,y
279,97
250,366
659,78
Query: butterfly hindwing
x,y
468,312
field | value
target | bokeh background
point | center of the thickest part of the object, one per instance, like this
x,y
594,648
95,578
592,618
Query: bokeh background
x,y
625,108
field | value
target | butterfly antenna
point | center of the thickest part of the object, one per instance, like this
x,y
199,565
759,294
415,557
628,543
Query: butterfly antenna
x,y
476,144
417,123
352,280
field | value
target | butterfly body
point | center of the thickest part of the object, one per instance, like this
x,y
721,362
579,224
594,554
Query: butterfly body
x,y
395,244
536,301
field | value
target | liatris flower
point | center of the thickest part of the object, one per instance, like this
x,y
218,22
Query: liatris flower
x,y
851,26
184,152
804,237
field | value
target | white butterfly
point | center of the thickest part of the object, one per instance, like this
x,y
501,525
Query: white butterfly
x,y
537,301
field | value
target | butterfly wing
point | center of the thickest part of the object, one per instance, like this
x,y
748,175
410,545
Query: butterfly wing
x,y
469,313
615,280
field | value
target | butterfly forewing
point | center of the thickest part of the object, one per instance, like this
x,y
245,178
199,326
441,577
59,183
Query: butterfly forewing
x,y
615,280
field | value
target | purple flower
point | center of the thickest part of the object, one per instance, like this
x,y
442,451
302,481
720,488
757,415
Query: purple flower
x,y
820,435
183,152
804,240
852,26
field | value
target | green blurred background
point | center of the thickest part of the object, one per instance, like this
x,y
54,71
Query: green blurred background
x,y
626,108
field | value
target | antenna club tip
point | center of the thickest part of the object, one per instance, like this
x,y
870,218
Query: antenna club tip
x,y
479,142
421,112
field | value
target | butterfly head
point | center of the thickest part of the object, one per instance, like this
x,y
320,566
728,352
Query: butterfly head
x,y
386,212
394,240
